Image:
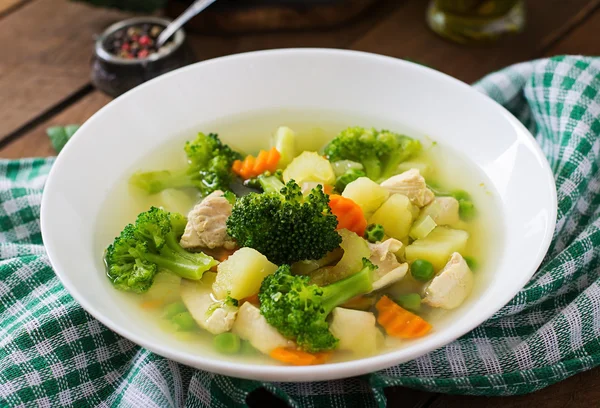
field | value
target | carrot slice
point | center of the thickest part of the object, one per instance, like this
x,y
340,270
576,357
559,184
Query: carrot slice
x,y
399,322
298,357
253,166
237,166
349,214
328,189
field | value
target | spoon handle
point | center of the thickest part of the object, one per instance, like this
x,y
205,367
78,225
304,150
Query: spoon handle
x,y
176,24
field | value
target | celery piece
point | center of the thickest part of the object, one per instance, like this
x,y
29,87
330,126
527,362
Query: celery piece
x,y
410,301
422,227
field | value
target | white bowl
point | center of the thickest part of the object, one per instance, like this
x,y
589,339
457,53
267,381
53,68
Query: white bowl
x,y
180,103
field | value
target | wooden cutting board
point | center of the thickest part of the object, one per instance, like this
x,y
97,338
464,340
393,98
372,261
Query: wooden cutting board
x,y
242,16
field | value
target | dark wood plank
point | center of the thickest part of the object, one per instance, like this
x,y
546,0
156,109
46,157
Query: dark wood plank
x,y
404,34
581,41
581,390
46,47
36,144
49,64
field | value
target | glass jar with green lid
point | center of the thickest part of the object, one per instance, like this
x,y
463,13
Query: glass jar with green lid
x,y
476,21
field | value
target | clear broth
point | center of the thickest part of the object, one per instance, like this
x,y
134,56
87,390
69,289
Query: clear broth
x,y
449,169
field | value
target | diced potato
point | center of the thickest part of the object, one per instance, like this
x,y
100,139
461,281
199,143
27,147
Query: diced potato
x,y
241,274
252,326
422,227
443,210
285,143
366,193
165,288
356,330
309,166
395,215
451,286
437,246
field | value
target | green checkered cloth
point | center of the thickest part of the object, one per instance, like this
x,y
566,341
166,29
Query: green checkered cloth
x,y
52,353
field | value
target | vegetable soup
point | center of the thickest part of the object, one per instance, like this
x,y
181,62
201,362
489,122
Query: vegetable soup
x,y
305,241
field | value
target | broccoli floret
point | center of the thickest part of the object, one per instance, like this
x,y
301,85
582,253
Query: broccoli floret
x,y
380,152
285,226
229,196
348,177
152,243
209,168
374,233
298,310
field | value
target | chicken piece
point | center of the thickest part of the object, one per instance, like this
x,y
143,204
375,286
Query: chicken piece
x,y
443,210
212,315
252,326
451,285
389,270
356,330
206,227
411,184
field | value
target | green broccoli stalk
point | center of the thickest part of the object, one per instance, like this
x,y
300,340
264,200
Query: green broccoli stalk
x,y
348,177
267,182
374,233
380,152
209,168
285,226
299,310
271,183
152,243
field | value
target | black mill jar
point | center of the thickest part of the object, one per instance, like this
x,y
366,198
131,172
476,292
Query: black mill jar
x,y
115,72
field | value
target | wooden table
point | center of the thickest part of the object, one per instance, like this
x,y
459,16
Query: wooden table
x,y
44,80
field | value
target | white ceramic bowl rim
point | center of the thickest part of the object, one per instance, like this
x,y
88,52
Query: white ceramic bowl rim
x,y
287,373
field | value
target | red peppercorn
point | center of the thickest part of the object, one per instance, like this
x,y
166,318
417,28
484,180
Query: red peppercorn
x,y
143,54
135,37
125,47
145,40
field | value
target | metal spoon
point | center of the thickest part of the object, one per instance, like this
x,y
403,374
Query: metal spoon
x,y
176,24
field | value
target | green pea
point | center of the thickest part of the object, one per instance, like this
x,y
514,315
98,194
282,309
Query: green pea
x,y
174,308
184,321
422,270
227,343
410,301
466,210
